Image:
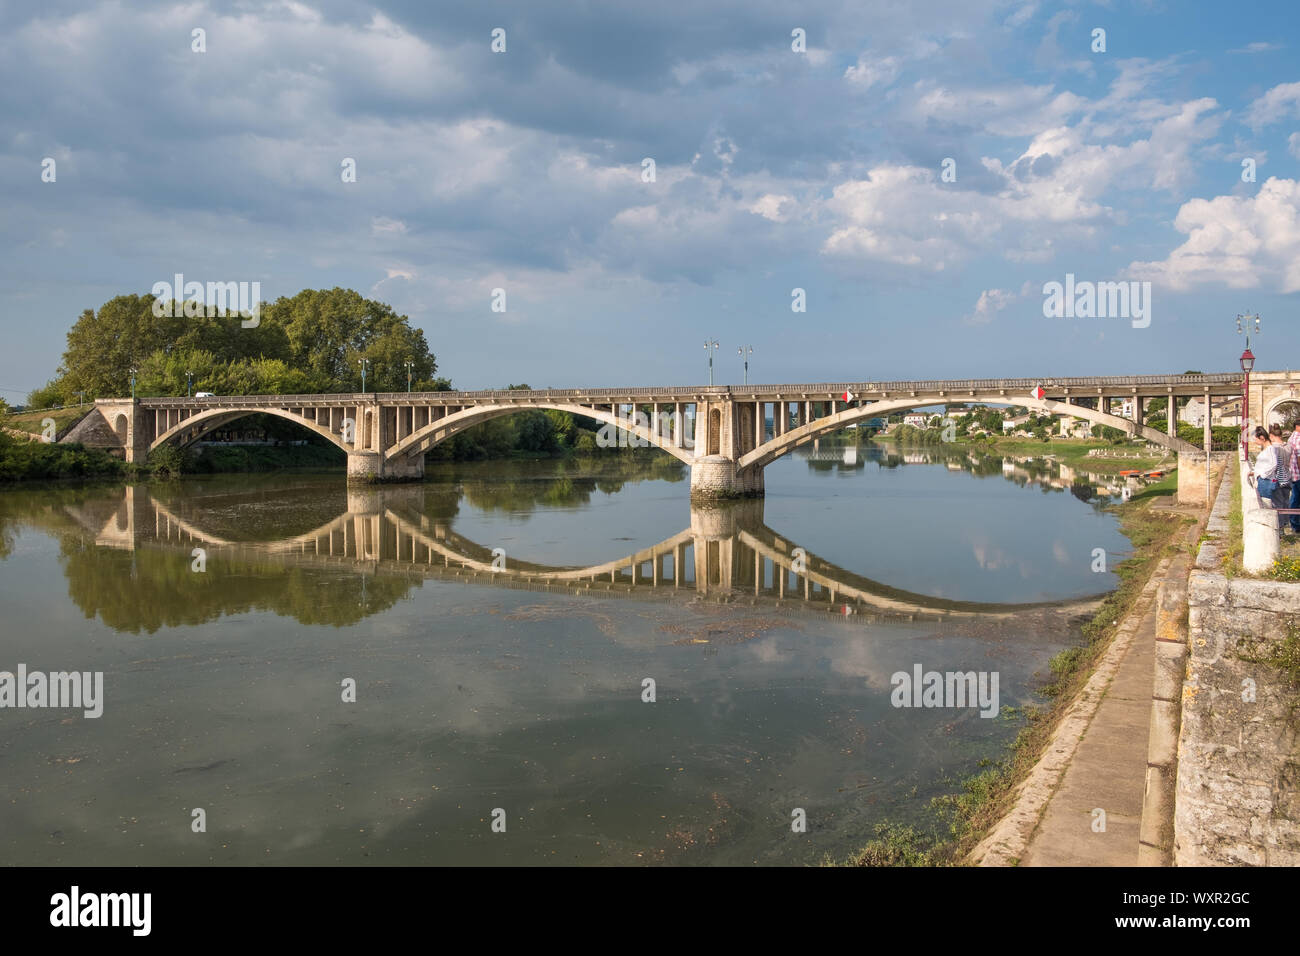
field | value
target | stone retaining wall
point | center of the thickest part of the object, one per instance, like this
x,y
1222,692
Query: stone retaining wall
x,y
1238,788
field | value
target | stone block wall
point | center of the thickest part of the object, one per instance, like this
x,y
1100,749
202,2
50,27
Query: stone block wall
x,y
1238,788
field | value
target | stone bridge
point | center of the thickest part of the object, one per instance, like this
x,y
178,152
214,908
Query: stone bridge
x,y
726,434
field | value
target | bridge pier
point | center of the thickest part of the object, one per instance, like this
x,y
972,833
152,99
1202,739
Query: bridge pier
x,y
365,467
716,476
1196,477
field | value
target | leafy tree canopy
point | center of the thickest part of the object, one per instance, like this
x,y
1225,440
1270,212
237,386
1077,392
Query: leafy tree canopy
x,y
314,341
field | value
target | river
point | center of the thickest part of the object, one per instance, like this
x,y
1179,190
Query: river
x,y
553,662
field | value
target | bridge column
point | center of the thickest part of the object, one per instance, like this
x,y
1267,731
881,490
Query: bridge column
x,y
1209,435
1171,413
366,467
716,476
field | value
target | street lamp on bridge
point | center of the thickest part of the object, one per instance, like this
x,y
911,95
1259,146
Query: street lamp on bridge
x,y
189,382
409,365
745,351
133,371
710,347
365,364
1247,365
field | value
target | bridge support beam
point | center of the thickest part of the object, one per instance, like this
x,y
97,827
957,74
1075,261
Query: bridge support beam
x,y
716,477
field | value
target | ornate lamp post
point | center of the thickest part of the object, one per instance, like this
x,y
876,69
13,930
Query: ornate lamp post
x,y
409,366
133,384
710,347
365,364
1247,364
189,382
744,352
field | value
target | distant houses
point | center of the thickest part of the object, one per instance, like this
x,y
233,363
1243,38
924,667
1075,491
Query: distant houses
x,y
1222,412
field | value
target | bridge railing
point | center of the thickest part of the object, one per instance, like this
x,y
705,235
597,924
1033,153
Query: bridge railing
x,y
580,395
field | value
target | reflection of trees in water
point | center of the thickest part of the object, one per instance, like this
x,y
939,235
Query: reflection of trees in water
x,y
144,590
565,483
45,509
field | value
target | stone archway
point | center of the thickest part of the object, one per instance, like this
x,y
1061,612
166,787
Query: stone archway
x,y
121,426
1285,412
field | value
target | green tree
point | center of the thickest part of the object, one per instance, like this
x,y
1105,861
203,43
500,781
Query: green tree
x,y
330,331
103,346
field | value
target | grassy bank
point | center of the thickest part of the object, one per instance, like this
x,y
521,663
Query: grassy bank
x,y
958,821
34,422
22,460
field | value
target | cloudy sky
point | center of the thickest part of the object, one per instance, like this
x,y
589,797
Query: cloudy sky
x,y
820,169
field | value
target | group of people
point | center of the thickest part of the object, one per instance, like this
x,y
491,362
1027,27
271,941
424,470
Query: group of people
x,y
1277,469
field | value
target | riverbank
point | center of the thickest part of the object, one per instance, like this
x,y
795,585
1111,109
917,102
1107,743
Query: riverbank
x,y
26,460
953,826
1073,452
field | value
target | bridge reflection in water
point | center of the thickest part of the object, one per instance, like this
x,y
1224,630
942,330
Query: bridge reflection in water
x,y
726,554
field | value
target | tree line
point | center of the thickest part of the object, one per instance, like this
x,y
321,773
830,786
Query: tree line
x,y
311,342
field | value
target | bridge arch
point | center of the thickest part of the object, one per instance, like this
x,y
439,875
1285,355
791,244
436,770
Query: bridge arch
x,y
768,452
436,432
192,429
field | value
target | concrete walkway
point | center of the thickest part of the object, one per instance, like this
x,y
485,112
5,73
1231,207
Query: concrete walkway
x,y
1107,772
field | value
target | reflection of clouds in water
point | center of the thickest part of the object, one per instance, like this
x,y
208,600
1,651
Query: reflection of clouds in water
x,y
768,650
859,657
991,558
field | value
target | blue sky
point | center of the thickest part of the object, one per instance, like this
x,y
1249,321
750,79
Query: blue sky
x,y
775,170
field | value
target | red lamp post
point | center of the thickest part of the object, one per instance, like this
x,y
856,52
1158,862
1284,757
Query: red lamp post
x,y
1247,364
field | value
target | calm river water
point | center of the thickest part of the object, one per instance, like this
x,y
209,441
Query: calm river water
x,y
500,623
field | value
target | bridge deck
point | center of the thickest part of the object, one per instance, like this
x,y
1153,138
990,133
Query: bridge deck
x,y
1145,385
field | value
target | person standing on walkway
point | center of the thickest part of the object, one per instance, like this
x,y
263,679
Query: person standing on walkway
x,y
1294,443
1285,463
1265,470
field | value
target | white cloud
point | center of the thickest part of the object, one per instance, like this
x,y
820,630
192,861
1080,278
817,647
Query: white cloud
x,y
906,216
993,301
870,71
384,226
1242,242
774,207
1258,46
1279,103
1023,15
